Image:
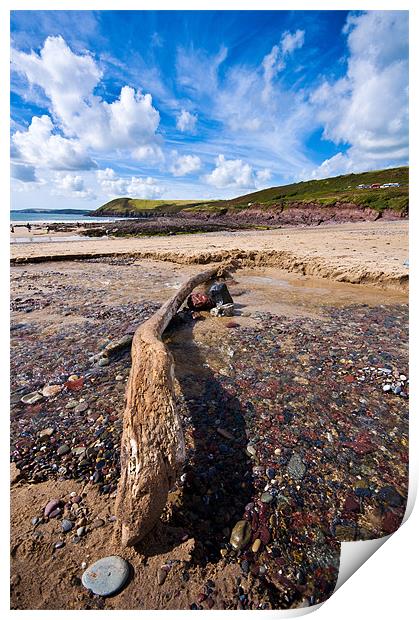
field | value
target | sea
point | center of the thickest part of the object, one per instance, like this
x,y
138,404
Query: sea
x,y
40,218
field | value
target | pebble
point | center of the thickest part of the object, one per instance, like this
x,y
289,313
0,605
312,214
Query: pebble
x,y
32,398
104,361
46,432
386,388
66,525
80,531
64,449
119,378
106,576
51,390
402,377
59,544
97,523
224,433
241,535
81,407
256,545
296,467
52,505
266,498
161,576
251,450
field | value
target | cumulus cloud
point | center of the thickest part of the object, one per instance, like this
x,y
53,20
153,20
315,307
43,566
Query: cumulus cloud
x,y
184,164
135,187
40,147
24,173
68,80
368,107
186,122
72,185
231,173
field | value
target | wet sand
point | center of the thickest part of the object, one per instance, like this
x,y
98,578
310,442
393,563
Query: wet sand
x,y
370,253
301,373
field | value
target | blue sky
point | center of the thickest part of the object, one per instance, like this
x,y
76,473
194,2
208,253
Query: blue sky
x,y
201,104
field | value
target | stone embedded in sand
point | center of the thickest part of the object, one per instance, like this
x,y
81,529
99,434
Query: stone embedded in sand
x,y
32,398
106,576
241,535
66,525
46,432
52,505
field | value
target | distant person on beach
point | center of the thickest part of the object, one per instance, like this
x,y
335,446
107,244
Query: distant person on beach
x,y
12,228
48,229
29,227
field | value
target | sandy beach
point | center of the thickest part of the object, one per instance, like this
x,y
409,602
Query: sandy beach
x,y
369,252
304,392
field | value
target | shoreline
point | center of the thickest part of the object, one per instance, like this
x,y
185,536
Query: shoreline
x,y
371,253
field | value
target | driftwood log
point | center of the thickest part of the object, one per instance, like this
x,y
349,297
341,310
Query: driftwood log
x,y
152,444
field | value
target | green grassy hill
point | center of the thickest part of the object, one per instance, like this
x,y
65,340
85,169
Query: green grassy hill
x,y
125,206
328,192
324,192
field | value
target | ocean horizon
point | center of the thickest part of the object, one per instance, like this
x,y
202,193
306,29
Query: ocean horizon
x,y
57,217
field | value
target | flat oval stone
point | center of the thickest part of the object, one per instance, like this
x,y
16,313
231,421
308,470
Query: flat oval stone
x,y
51,390
106,576
241,535
32,398
64,449
52,505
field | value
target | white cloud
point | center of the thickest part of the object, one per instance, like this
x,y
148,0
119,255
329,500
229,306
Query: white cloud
x,y
186,122
72,185
291,42
184,164
368,107
40,147
135,187
274,62
263,176
68,80
230,173
24,173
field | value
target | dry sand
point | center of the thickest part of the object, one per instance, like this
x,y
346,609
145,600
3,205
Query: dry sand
x,y
370,253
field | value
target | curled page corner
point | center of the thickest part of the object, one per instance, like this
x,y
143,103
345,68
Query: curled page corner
x,y
354,554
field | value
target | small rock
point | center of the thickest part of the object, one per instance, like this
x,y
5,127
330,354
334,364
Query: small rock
x,y
97,523
225,433
402,377
81,407
51,390
256,545
266,498
46,432
386,388
296,468
66,525
104,361
81,531
119,378
32,398
241,535
106,576
161,576
59,544
52,505
251,451
64,449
